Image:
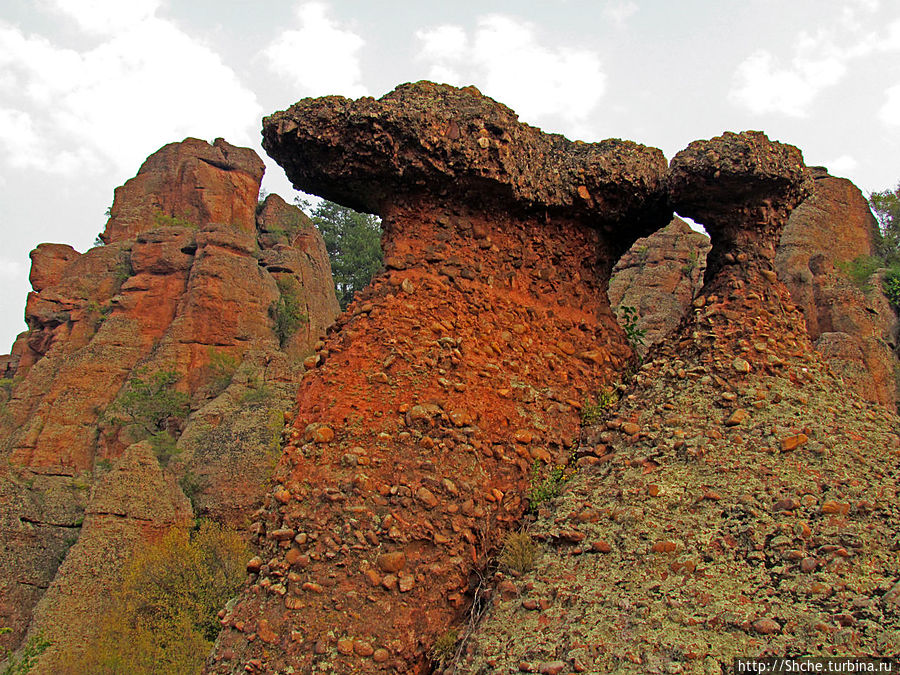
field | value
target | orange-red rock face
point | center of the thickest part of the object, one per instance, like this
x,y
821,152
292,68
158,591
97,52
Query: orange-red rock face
x,y
417,433
192,181
161,296
855,330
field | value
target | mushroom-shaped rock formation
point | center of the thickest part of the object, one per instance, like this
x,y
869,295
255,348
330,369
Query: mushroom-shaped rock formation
x,y
454,376
426,142
745,506
741,187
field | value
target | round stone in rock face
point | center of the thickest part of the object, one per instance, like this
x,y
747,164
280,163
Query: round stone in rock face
x,y
392,562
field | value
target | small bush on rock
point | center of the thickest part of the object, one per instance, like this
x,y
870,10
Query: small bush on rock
x,y
519,552
162,616
444,647
285,312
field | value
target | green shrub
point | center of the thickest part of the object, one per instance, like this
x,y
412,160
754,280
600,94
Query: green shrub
x,y
519,552
257,392
25,661
161,618
890,283
444,647
629,322
547,487
591,413
191,484
148,406
222,367
860,270
285,312
123,270
162,220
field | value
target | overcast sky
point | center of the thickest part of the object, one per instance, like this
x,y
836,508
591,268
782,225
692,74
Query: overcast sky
x,y
90,88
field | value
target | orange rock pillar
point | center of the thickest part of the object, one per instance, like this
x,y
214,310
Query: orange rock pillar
x,y
460,368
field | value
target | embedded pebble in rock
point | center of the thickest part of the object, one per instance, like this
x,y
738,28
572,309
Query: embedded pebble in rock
x,y
737,417
463,363
392,562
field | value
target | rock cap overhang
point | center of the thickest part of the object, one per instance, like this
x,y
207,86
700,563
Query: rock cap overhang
x,y
735,175
427,139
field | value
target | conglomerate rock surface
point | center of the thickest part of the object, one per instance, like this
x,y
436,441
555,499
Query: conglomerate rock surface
x,y
185,285
659,277
852,325
739,502
463,365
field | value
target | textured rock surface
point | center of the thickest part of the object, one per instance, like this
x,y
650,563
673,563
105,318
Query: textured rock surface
x,y
738,503
461,366
192,181
190,296
659,276
452,144
740,187
131,506
856,330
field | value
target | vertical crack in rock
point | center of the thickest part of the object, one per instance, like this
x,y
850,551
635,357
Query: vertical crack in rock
x,y
463,365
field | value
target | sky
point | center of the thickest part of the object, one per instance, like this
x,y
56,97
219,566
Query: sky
x,y
90,88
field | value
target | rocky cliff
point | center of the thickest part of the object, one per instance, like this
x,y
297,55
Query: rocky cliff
x,y
460,372
659,276
177,309
737,503
854,328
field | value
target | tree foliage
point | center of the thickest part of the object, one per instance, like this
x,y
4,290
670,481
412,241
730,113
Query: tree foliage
x,y
149,406
885,206
286,312
353,242
161,618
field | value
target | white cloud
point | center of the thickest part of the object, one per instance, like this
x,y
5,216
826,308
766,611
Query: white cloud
x,y
320,56
821,59
764,86
444,43
107,16
506,60
890,110
11,270
145,84
619,12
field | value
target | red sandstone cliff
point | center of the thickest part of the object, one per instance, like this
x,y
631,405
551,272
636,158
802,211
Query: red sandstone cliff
x,y
186,285
855,330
